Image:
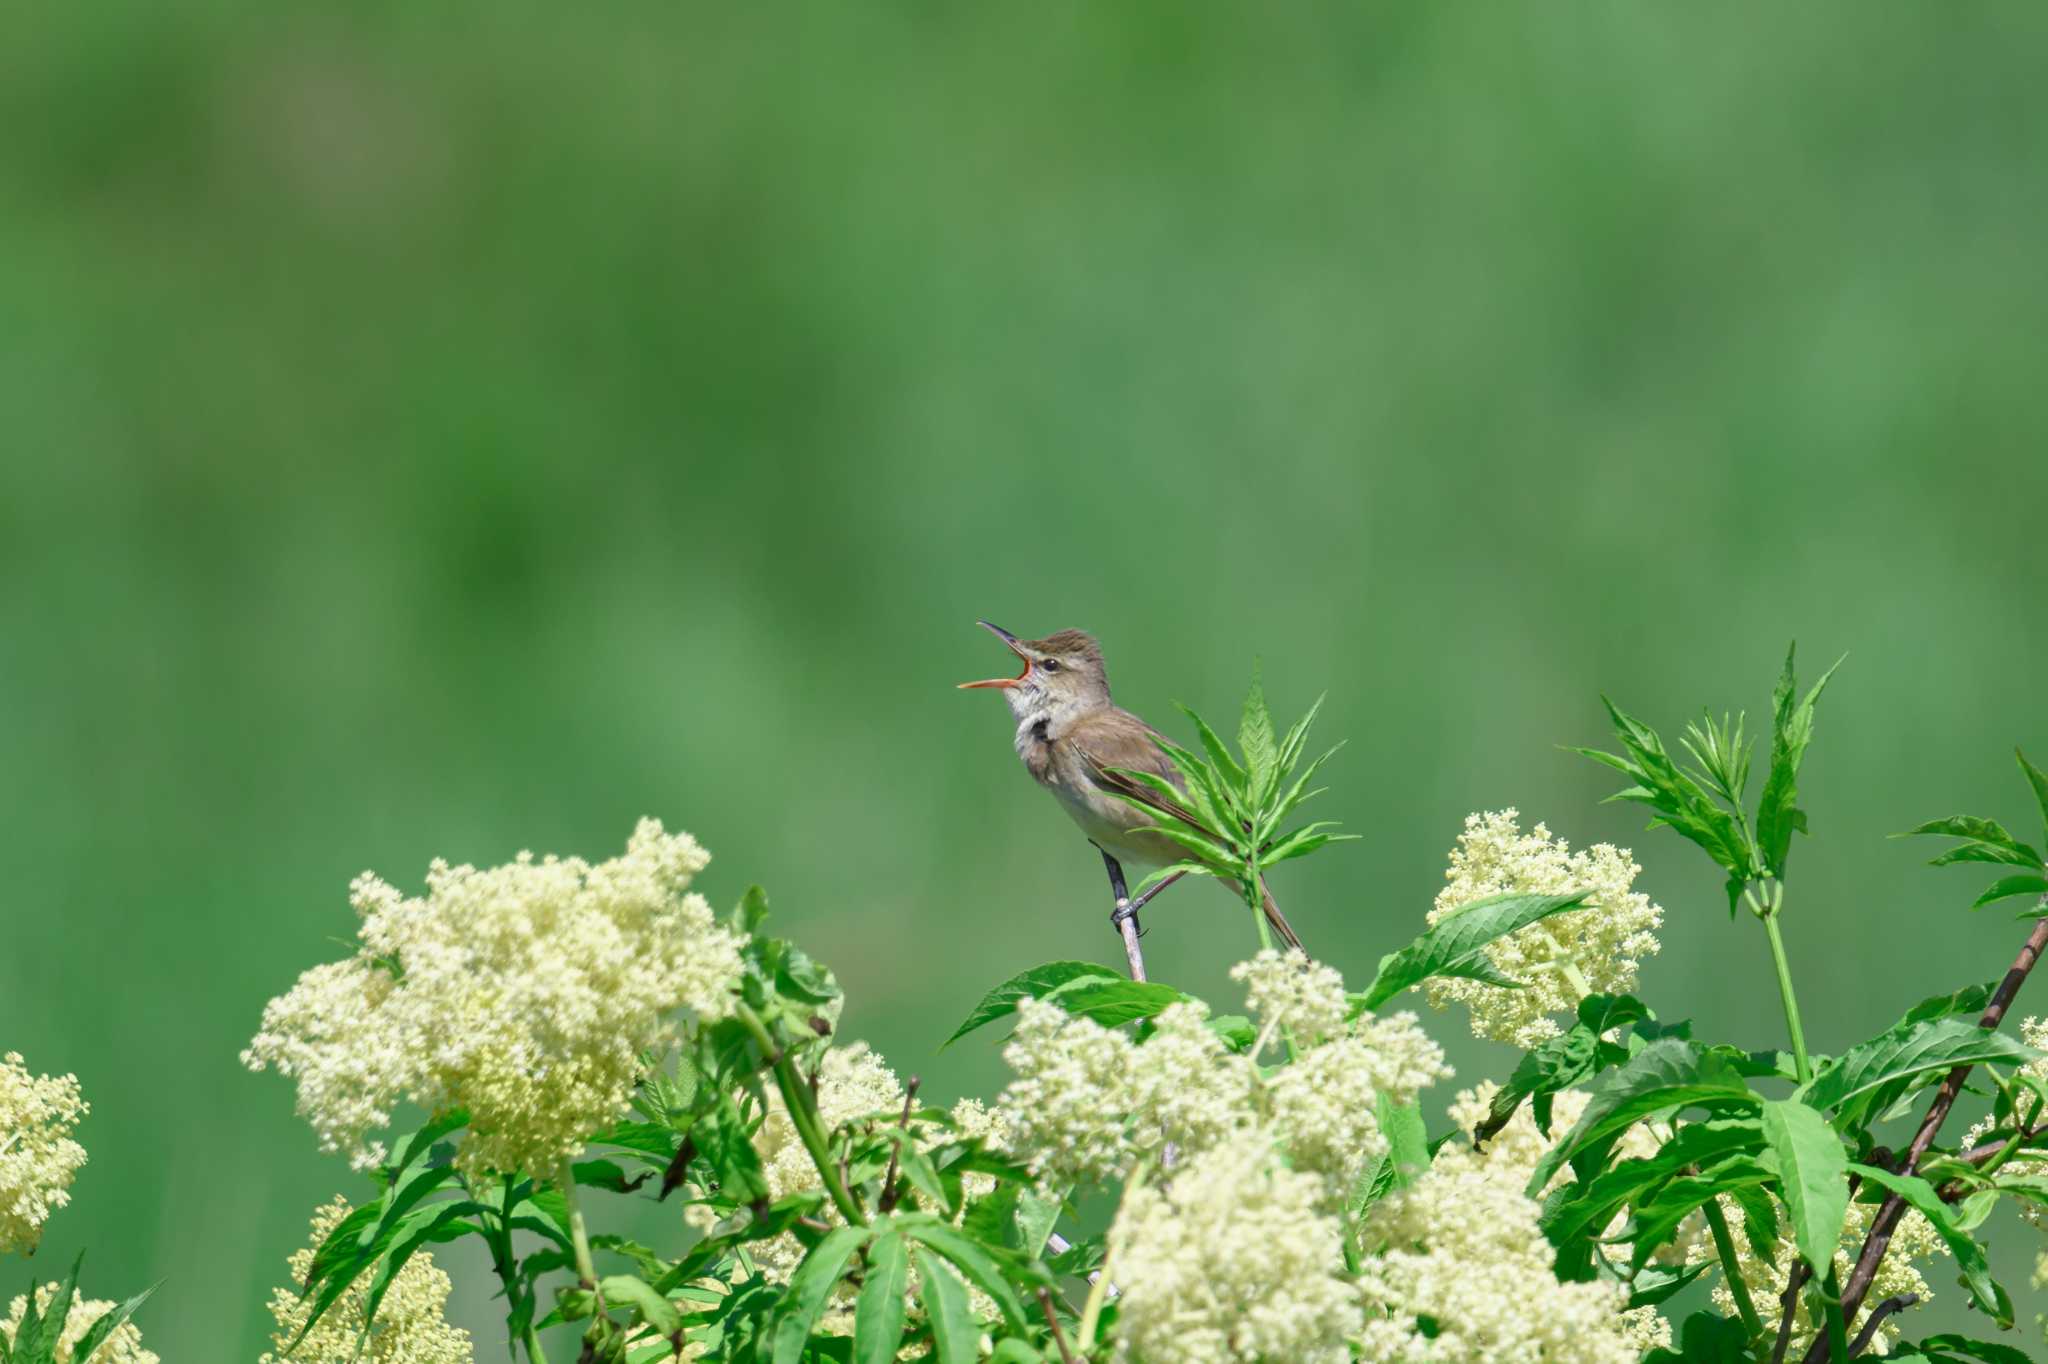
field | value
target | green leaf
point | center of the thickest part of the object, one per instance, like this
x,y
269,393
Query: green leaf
x,y
623,1290
977,1265
1932,1044
1454,946
1301,842
1255,741
878,1315
2005,888
1582,1209
1813,1170
956,1336
108,1322
1975,829
1778,815
1989,1297
1988,852
1678,800
1037,982
1706,1339
1657,1285
1219,753
1667,1074
1113,1001
752,910
1990,1352
810,1288
1407,1140
2037,779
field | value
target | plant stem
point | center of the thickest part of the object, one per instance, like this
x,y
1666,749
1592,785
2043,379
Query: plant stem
x,y
1717,1222
579,1234
1098,1291
1829,1294
796,1097
534,1353
1769,915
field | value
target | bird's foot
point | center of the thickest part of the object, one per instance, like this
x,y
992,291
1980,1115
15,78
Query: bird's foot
x,y
1126,911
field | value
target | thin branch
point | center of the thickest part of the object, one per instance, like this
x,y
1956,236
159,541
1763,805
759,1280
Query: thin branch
x,y
1898,1302
890,1193
1052,1319
1893,1209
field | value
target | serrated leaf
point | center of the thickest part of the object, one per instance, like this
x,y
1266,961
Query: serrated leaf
x,y
878,1313
1219,753
2006,887
1255,741
623,1290
956,1336
108,1322
1985,1291
1407,1140
1656,1284
1975,829
1988,852
1989,1352
2038,780
1667,1074
810,1288
1932,1044
1813,1171
1454,944
1583,1209
1111,1002
975,1264
1778,815
1037,982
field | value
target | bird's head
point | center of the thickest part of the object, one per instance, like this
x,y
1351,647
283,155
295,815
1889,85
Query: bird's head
x,y
1062,674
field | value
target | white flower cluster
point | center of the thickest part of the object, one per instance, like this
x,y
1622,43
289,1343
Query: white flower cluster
x,y
525,993
409,1328
1595,950
1898,1274
2034,1032
1462,1274
1233,1261
1086,1101
38,1158
123,1346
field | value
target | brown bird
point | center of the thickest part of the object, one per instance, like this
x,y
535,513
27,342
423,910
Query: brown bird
x,y
1073,740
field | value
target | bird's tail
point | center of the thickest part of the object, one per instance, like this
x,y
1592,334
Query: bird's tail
x,y
1278,920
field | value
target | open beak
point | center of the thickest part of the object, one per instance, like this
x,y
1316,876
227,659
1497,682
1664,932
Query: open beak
x,y
1011,640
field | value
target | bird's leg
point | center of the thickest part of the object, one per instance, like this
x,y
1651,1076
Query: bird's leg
x,y
1124,918
1140,901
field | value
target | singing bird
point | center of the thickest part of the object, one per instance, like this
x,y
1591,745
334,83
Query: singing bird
x,y
1073,739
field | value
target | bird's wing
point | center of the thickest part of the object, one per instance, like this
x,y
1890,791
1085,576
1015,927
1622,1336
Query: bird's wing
x,y
1116,739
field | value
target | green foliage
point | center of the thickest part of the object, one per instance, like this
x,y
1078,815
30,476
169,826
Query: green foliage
x,y
1228,810
41,1329
1456,945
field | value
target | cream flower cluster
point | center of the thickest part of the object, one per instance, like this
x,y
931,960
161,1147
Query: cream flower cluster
x,y
1086,1101
1564,958
38,1158
1462,1249
1234,1260
2034,1032
409,1328
1915,1240
524,993
123,1346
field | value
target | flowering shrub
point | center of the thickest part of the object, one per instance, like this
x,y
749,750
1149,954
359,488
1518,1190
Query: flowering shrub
x,y
1282,1177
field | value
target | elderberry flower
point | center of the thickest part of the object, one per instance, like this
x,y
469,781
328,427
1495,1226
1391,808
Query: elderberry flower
x,y
1067,1098
123,1346
408,1329
1461,1274
2030,1165
38,1158
1915,1239
1560,960
1325,1103
1232,1261
1287,990
525,993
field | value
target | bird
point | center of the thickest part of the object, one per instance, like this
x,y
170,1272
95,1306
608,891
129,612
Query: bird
x,y
1076,743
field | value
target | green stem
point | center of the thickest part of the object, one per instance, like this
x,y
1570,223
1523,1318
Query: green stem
x,y
579,1234
534,1353
1803,1066
796,1097
1829,1296
1731,1270
1098,1292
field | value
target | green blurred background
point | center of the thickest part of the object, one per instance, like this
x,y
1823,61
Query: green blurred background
x,y
450,430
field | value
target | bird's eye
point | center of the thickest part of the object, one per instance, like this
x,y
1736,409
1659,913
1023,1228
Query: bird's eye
x,y
1051,665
